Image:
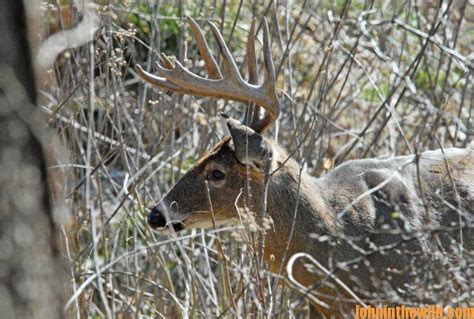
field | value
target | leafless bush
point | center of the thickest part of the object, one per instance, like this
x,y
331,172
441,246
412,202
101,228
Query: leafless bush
x,y
356,79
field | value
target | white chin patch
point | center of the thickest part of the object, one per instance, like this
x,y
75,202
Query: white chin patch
x,y
208,223
205,224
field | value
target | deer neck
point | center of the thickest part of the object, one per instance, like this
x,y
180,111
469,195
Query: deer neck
x,y
294,199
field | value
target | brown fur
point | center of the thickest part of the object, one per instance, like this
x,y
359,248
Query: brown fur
x,y
215,149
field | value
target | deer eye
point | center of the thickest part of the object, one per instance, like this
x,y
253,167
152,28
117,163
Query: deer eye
x,y
216,175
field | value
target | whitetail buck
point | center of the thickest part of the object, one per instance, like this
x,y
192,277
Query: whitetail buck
x,y
370,222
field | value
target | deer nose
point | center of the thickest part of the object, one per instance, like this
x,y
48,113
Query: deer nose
x,y
156,218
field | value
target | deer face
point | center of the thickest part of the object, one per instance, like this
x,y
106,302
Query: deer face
x,y
214,187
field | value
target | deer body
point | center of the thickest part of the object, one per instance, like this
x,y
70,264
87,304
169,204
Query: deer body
x,y
372,223
363,197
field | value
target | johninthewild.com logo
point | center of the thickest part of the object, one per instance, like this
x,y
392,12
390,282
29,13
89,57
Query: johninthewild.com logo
x,y
406,312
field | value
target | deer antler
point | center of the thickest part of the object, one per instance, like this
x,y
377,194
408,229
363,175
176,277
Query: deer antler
x,y
226,83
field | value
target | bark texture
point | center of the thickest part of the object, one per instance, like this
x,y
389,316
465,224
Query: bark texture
x,y
30,271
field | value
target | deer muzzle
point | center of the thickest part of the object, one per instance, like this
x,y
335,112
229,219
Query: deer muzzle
x,y
158,219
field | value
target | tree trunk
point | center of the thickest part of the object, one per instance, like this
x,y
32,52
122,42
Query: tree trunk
x,y
30,271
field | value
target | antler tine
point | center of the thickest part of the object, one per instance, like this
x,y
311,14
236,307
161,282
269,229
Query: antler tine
x,y
252,113
226,83
166,61
158,81
251,57
231,71
267,58
211,64
268,82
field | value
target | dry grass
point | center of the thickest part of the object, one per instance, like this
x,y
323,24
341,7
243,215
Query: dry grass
x,y
355,80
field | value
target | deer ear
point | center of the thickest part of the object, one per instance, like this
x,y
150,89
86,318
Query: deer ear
x,y
250,147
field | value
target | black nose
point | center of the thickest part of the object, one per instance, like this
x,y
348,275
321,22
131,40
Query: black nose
x,y
156,219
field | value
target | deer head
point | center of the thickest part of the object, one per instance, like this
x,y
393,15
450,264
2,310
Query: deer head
x,y
210,191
